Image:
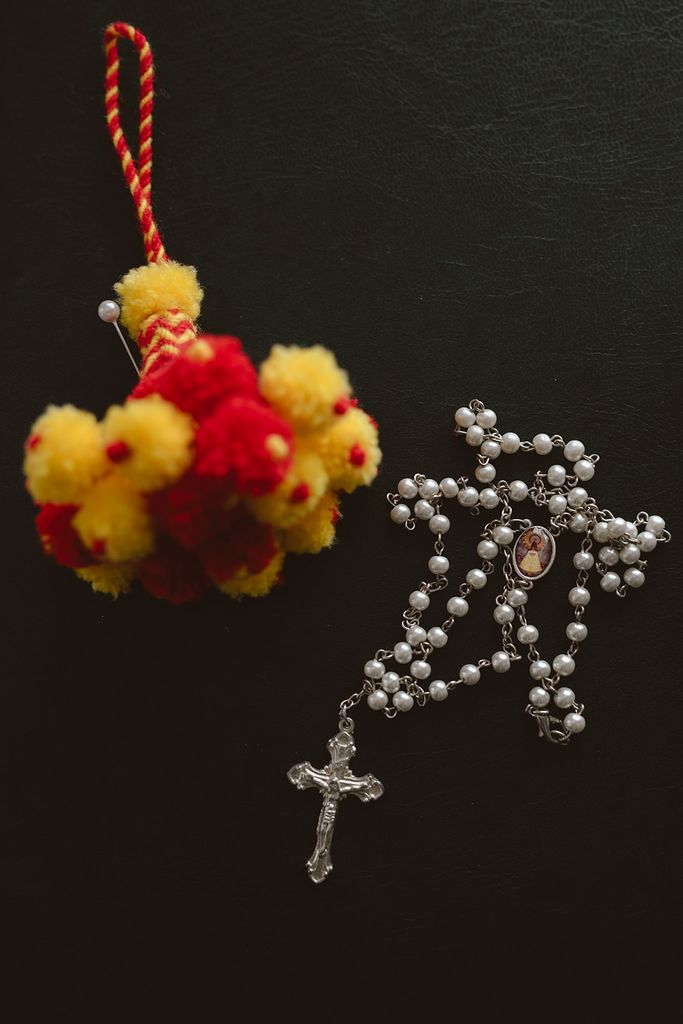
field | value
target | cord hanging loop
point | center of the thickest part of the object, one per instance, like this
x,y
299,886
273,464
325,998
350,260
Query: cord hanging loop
x,y
138,176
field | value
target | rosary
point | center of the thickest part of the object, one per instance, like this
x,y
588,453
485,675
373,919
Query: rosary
x,y
526,552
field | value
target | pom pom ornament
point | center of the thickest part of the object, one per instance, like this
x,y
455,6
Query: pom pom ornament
x,y
211,470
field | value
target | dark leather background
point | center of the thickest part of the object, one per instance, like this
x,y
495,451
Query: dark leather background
x,y
462,200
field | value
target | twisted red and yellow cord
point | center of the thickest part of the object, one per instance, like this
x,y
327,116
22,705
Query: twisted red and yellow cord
x,y
138,176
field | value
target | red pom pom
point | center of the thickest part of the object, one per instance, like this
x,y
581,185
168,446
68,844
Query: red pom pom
x,y
343,404
173,574
244,444
357,456
189,511
243,543
206,371
118,451
301,492
59,538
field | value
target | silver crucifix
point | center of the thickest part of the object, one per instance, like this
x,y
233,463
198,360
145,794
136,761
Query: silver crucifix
x,y
335,781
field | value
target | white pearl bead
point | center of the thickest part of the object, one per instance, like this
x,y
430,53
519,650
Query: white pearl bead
x,y
646,541
421,669
391,682
429,489
516,597
457,607
565,697
539,669
538,697
573,451
438,690
503,613
556,475
439,524
438,564
634,577
377,700
487,549
437,637
503,535
402,701
608,555
583,560
464,417
109,311
557,504
468,497
487,418
500,661
579,596
542,444
584,469
419,600
490,449
616,526
407,488
629,554
489,498
403,652
574,723
448,487
577,497
474,436
656,525
400,514
485,474
527,634
579,523
476,579
374,669
510,442
423,509
470,674
563,664
610,582
416,635
577,631
631,531
600,532
518,490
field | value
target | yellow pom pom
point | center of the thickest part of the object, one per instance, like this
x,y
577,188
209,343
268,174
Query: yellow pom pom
x,y
113,522
149,440
156,288
299,492
109,577
255,584
64,455
303,385
350,450
316,530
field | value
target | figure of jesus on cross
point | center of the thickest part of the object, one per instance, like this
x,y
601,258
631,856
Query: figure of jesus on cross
x,y
335,781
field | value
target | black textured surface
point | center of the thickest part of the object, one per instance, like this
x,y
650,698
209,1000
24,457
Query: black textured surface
x,y
460,199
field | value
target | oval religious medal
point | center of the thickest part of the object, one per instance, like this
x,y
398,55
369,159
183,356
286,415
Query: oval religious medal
x,y
534,553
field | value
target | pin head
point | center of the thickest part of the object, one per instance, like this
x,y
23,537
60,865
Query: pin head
x,y
109,311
